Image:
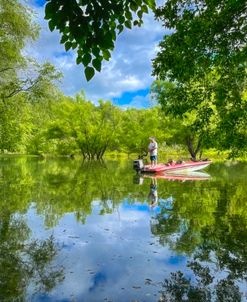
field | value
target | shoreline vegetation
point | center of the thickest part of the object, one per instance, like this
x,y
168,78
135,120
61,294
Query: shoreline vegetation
x,y
164,155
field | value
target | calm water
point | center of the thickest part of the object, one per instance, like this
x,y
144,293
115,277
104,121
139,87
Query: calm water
x,y
96,232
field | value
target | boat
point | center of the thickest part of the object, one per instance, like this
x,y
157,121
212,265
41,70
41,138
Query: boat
x,y
174,168
191,176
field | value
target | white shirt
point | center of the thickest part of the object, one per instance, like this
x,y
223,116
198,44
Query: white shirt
x,y
153,148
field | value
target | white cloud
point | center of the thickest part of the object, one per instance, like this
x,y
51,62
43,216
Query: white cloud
x,y
128,70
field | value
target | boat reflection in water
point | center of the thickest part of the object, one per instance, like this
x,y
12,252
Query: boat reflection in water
x,y
180,177
192,176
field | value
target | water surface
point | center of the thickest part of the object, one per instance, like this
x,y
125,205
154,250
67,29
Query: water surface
x,y
74,231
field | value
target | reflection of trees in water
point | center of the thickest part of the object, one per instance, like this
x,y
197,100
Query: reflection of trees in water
x,y
55,187
179,288
207,221
210,226
24,262
59,186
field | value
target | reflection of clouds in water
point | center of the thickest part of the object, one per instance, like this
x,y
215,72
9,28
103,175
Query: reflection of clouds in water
x,y
99,279
111,256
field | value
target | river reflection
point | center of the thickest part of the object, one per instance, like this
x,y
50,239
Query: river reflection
x,y
73,231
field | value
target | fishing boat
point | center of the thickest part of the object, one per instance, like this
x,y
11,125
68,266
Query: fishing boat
x,y
173,167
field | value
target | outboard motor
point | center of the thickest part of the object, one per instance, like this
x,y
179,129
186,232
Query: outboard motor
x,y
138,164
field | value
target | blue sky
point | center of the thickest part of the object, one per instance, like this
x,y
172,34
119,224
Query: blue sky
x,y
125,79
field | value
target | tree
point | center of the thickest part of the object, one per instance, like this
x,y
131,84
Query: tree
x,y
22,81
194,110
18,104
211,115
91,129
139,124
208,46
16,28
92,26
207,34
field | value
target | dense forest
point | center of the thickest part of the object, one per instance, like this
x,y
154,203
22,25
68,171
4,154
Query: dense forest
x,y
205,109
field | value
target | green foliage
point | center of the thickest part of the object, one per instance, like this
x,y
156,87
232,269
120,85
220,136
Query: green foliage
x,y
207,223
207,34
91,27
205,60
16,28
139,125
23,82
211,115
15,126
93,130
193,110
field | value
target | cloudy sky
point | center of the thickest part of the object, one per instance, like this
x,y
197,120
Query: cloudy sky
x,y
125,79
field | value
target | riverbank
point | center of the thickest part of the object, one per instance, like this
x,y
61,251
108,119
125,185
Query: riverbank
x,y
165,154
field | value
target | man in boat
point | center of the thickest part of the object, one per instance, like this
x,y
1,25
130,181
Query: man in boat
x,y
153,150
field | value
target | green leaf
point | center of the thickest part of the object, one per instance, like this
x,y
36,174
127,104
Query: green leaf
x,y
96,51
151,4
106,54
78,60
133,7
127,24
74,45
80,52
120,28
144,8
68,45
89,73
66,30
96,64
128,15
121,19
64,39
51,25
140,13
136,22
49,10
86,59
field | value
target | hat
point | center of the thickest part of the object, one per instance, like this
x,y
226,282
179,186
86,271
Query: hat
x,y
152,137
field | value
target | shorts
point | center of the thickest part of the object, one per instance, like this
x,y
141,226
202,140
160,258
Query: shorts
x,y
153,157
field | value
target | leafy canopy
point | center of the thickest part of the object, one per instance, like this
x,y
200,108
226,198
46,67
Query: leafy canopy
x,y
205,58
91,27
207,34
16,27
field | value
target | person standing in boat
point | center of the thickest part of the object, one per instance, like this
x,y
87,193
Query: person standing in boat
x,y
153,150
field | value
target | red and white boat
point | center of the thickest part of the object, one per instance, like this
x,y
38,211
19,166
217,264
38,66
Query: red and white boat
x,y
174,168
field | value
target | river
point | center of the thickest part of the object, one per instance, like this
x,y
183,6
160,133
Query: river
x,y
74,231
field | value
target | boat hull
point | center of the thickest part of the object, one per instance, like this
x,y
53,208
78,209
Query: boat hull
x,y
185,167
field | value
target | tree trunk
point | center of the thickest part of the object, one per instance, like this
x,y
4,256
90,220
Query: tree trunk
x,y
192,149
